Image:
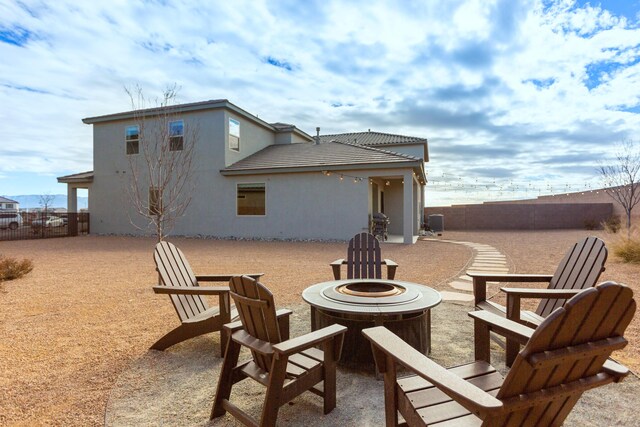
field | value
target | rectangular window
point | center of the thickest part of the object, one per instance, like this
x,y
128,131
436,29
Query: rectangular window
x,y
234,135
155,204
10,206
251,199
132,138
176,135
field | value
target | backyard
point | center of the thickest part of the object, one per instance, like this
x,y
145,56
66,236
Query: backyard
x,y
86,313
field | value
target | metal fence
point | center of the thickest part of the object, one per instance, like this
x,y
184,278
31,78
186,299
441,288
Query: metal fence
x,y
43,225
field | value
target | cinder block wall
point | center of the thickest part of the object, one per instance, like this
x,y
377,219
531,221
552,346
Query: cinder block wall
x,y
522,216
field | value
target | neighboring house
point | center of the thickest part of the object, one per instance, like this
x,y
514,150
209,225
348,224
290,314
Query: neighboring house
x,y
265,180
8,204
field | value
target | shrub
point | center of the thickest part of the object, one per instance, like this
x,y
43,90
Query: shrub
x,y
628,248
612,224
590,224
11,268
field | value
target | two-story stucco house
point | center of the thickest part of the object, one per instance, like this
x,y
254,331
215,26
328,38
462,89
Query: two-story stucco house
x,y
264,180
8,204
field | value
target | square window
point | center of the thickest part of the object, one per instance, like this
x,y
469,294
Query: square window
x,y
251,199
176,135
132,138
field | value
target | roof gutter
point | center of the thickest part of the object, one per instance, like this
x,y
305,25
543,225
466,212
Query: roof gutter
x,y
416,165
181,108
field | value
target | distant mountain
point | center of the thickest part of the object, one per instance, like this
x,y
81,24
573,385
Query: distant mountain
x,y
59,201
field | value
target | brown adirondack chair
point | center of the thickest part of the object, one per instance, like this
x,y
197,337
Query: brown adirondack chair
x,y
565,356
364,260
287,367
183,287
579,269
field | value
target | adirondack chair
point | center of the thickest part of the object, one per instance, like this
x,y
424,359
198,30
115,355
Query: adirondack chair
x,y
579,269
287,367
183,287
364,260
565,356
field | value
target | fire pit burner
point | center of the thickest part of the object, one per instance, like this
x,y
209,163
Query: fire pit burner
x,y
370,289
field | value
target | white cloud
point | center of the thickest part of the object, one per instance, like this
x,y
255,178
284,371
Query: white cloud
x,y
517,81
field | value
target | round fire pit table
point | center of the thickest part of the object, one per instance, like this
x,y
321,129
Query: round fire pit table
x,y
402,307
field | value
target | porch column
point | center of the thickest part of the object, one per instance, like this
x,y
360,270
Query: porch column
x,y
407,211
416,207
72,198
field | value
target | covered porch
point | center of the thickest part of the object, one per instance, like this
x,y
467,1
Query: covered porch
x,y
82,180
400,196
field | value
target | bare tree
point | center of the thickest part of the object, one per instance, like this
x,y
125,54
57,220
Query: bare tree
x,y
162,179
621,178
45,201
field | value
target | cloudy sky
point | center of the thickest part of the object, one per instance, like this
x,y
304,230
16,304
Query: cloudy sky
x,y
516,98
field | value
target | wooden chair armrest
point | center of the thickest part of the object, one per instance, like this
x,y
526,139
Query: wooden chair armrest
x,y
505,327
509,277
335,266
391,268
296,345
283,313
466,394
541,293
514,295
224,277
480,281
196,290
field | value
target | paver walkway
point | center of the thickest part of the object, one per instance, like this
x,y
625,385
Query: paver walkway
x,y
485,258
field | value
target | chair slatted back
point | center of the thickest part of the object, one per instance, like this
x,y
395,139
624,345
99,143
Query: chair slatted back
x,y
579,269
594,321
175,271
257,312
364,260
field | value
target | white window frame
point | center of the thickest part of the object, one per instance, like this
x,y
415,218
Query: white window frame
x,y
237,150
175,136
127,140
238,184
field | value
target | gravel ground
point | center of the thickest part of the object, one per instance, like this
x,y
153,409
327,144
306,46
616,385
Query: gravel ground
x,y
77,329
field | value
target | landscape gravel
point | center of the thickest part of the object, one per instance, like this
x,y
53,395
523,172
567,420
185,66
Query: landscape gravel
x,y
76,330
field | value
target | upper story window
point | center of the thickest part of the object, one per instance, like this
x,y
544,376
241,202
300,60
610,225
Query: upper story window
x,y
176,135
234,135
10,206
132,139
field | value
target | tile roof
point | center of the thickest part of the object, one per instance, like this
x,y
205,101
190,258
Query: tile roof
x,y
310,155
77,177
5,200
373,138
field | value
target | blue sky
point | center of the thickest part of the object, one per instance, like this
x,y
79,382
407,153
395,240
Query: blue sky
x,y
516,98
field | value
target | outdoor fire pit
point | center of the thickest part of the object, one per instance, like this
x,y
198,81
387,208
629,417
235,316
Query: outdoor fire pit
x,y
402,307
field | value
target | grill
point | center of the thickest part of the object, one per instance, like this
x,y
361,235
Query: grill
x,y
379,223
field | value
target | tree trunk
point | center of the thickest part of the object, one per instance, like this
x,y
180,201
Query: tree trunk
x,y
629,224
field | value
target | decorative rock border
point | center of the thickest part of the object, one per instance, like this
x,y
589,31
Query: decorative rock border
x,y
485,258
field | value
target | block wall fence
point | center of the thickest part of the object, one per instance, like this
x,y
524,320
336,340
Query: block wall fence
x,y
522,216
